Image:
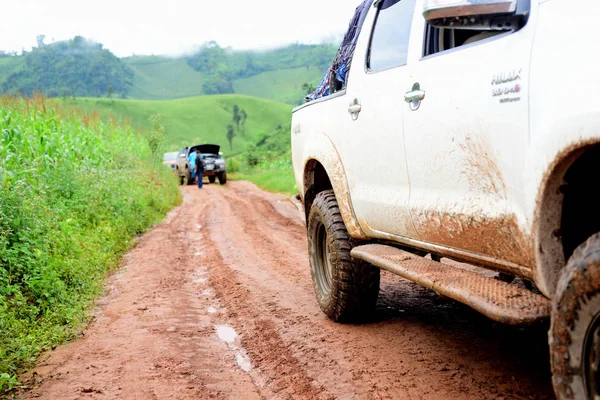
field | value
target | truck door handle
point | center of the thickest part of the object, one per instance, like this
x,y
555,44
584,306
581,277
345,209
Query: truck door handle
x,y
354,109
414,97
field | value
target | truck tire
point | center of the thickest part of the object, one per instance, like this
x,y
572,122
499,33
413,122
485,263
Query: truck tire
x,y
223,178
181,180
212,179
189,179
575,328
346,289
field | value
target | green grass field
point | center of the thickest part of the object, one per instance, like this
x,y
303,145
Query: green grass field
x,y
199,119
284,85
272,180
161,78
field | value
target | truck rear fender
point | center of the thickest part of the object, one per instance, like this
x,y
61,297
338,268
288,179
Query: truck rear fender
x,y
323,170
564,129
559,226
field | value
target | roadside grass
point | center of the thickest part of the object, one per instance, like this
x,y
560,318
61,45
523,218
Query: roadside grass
x,y
274,175
275,181
75,189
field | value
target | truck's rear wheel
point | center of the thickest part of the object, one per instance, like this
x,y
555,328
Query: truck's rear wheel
x,y
212,179
575,329
346,289
189,179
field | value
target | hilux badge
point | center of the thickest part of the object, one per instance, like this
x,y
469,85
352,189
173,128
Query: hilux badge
x,y
505,86
505,77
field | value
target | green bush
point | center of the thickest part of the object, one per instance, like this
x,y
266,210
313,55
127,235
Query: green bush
x,y
233,165
74,190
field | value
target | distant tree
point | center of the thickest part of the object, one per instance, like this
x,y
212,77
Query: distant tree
x,y
308,88
243,118
230,135
40,40
217,82
236,116
109,92
156,135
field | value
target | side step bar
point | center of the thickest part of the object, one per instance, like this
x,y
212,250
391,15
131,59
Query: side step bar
x,y
500,301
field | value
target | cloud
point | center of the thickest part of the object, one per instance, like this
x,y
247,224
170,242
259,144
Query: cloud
x,y
176,26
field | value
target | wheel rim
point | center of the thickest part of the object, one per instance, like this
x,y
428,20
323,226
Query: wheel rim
x,y
592,359
324,267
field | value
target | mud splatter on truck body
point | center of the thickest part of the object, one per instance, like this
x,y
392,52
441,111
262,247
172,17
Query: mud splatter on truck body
x,y
498,238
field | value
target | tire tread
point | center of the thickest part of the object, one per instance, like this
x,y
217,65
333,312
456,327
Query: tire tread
x,y
356,283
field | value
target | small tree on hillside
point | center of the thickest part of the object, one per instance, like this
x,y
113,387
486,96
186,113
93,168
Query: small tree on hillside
x,y
308,88
40,40
157,135
230,136
243,117
236,116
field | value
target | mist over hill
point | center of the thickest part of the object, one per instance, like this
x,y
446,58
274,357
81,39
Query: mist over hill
x,y
83,68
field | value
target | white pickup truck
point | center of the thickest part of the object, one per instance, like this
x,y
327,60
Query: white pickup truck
x,y
467,130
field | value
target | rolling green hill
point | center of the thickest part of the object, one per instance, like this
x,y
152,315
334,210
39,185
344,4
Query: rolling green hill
x,y
161,78
281,85
275,74
202,119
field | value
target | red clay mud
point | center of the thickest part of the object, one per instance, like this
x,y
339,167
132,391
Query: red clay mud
x,y
232,260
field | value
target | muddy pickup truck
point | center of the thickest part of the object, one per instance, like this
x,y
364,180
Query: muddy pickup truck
x,y
212,159
467,130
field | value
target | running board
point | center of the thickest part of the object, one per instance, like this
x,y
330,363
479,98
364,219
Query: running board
x,y
500,301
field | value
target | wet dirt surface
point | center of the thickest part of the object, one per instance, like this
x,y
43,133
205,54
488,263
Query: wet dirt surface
x,y
217,302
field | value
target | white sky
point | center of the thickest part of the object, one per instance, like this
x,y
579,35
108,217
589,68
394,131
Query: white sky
x,y
173,27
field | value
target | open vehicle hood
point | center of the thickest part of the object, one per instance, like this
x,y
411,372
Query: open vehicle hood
x,y
207,148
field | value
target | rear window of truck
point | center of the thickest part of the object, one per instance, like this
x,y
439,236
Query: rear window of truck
x,y
389,39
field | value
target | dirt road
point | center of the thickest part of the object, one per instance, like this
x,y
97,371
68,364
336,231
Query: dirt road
x,y
217,302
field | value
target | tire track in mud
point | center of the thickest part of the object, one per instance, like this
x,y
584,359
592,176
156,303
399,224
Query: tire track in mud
x,y
283,374
274,269
276,241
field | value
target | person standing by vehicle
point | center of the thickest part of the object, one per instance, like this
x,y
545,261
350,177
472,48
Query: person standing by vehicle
x,y
192,162
199,170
